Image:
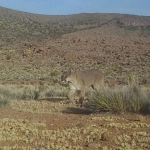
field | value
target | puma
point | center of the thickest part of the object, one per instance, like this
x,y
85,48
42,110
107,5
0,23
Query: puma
x,y
81,80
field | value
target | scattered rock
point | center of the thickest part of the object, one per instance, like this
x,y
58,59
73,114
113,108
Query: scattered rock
x,y
93,146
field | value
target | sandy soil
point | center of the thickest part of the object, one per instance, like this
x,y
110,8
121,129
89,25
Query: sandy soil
x,y
40,126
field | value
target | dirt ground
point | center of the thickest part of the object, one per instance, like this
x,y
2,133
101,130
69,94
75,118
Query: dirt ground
x,y
56,125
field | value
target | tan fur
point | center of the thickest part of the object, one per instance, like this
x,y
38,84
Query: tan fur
x,y
81,80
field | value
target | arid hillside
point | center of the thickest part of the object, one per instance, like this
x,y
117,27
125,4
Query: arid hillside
x,y
39,47
34,110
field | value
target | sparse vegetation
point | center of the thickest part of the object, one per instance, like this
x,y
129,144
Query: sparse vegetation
x,y
101,41
13,92
93,132
126,99
20,27
53,91
35,49
31,92
4,101
122,99
84,136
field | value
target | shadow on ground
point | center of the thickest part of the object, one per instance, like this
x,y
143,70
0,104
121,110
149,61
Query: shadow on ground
x,y
54,99
75,110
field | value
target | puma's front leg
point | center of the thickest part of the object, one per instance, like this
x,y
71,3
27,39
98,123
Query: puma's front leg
x,y
81,98
71,92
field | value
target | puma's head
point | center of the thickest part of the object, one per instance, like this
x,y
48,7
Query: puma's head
x,y
65,75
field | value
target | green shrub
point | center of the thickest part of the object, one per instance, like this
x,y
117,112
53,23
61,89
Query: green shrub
x,y
129,99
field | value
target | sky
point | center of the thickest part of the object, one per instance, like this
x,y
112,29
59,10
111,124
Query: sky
x,y
67,7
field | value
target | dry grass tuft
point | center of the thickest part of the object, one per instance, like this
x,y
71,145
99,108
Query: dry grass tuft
x,y
29,92
125,99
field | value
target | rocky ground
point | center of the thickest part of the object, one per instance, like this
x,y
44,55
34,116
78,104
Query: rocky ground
x,y
118,54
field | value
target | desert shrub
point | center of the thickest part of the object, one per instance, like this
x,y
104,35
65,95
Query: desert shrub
x,y
128,99
19,92
53,91
53,73
138,100
31,92
132,79
3,101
